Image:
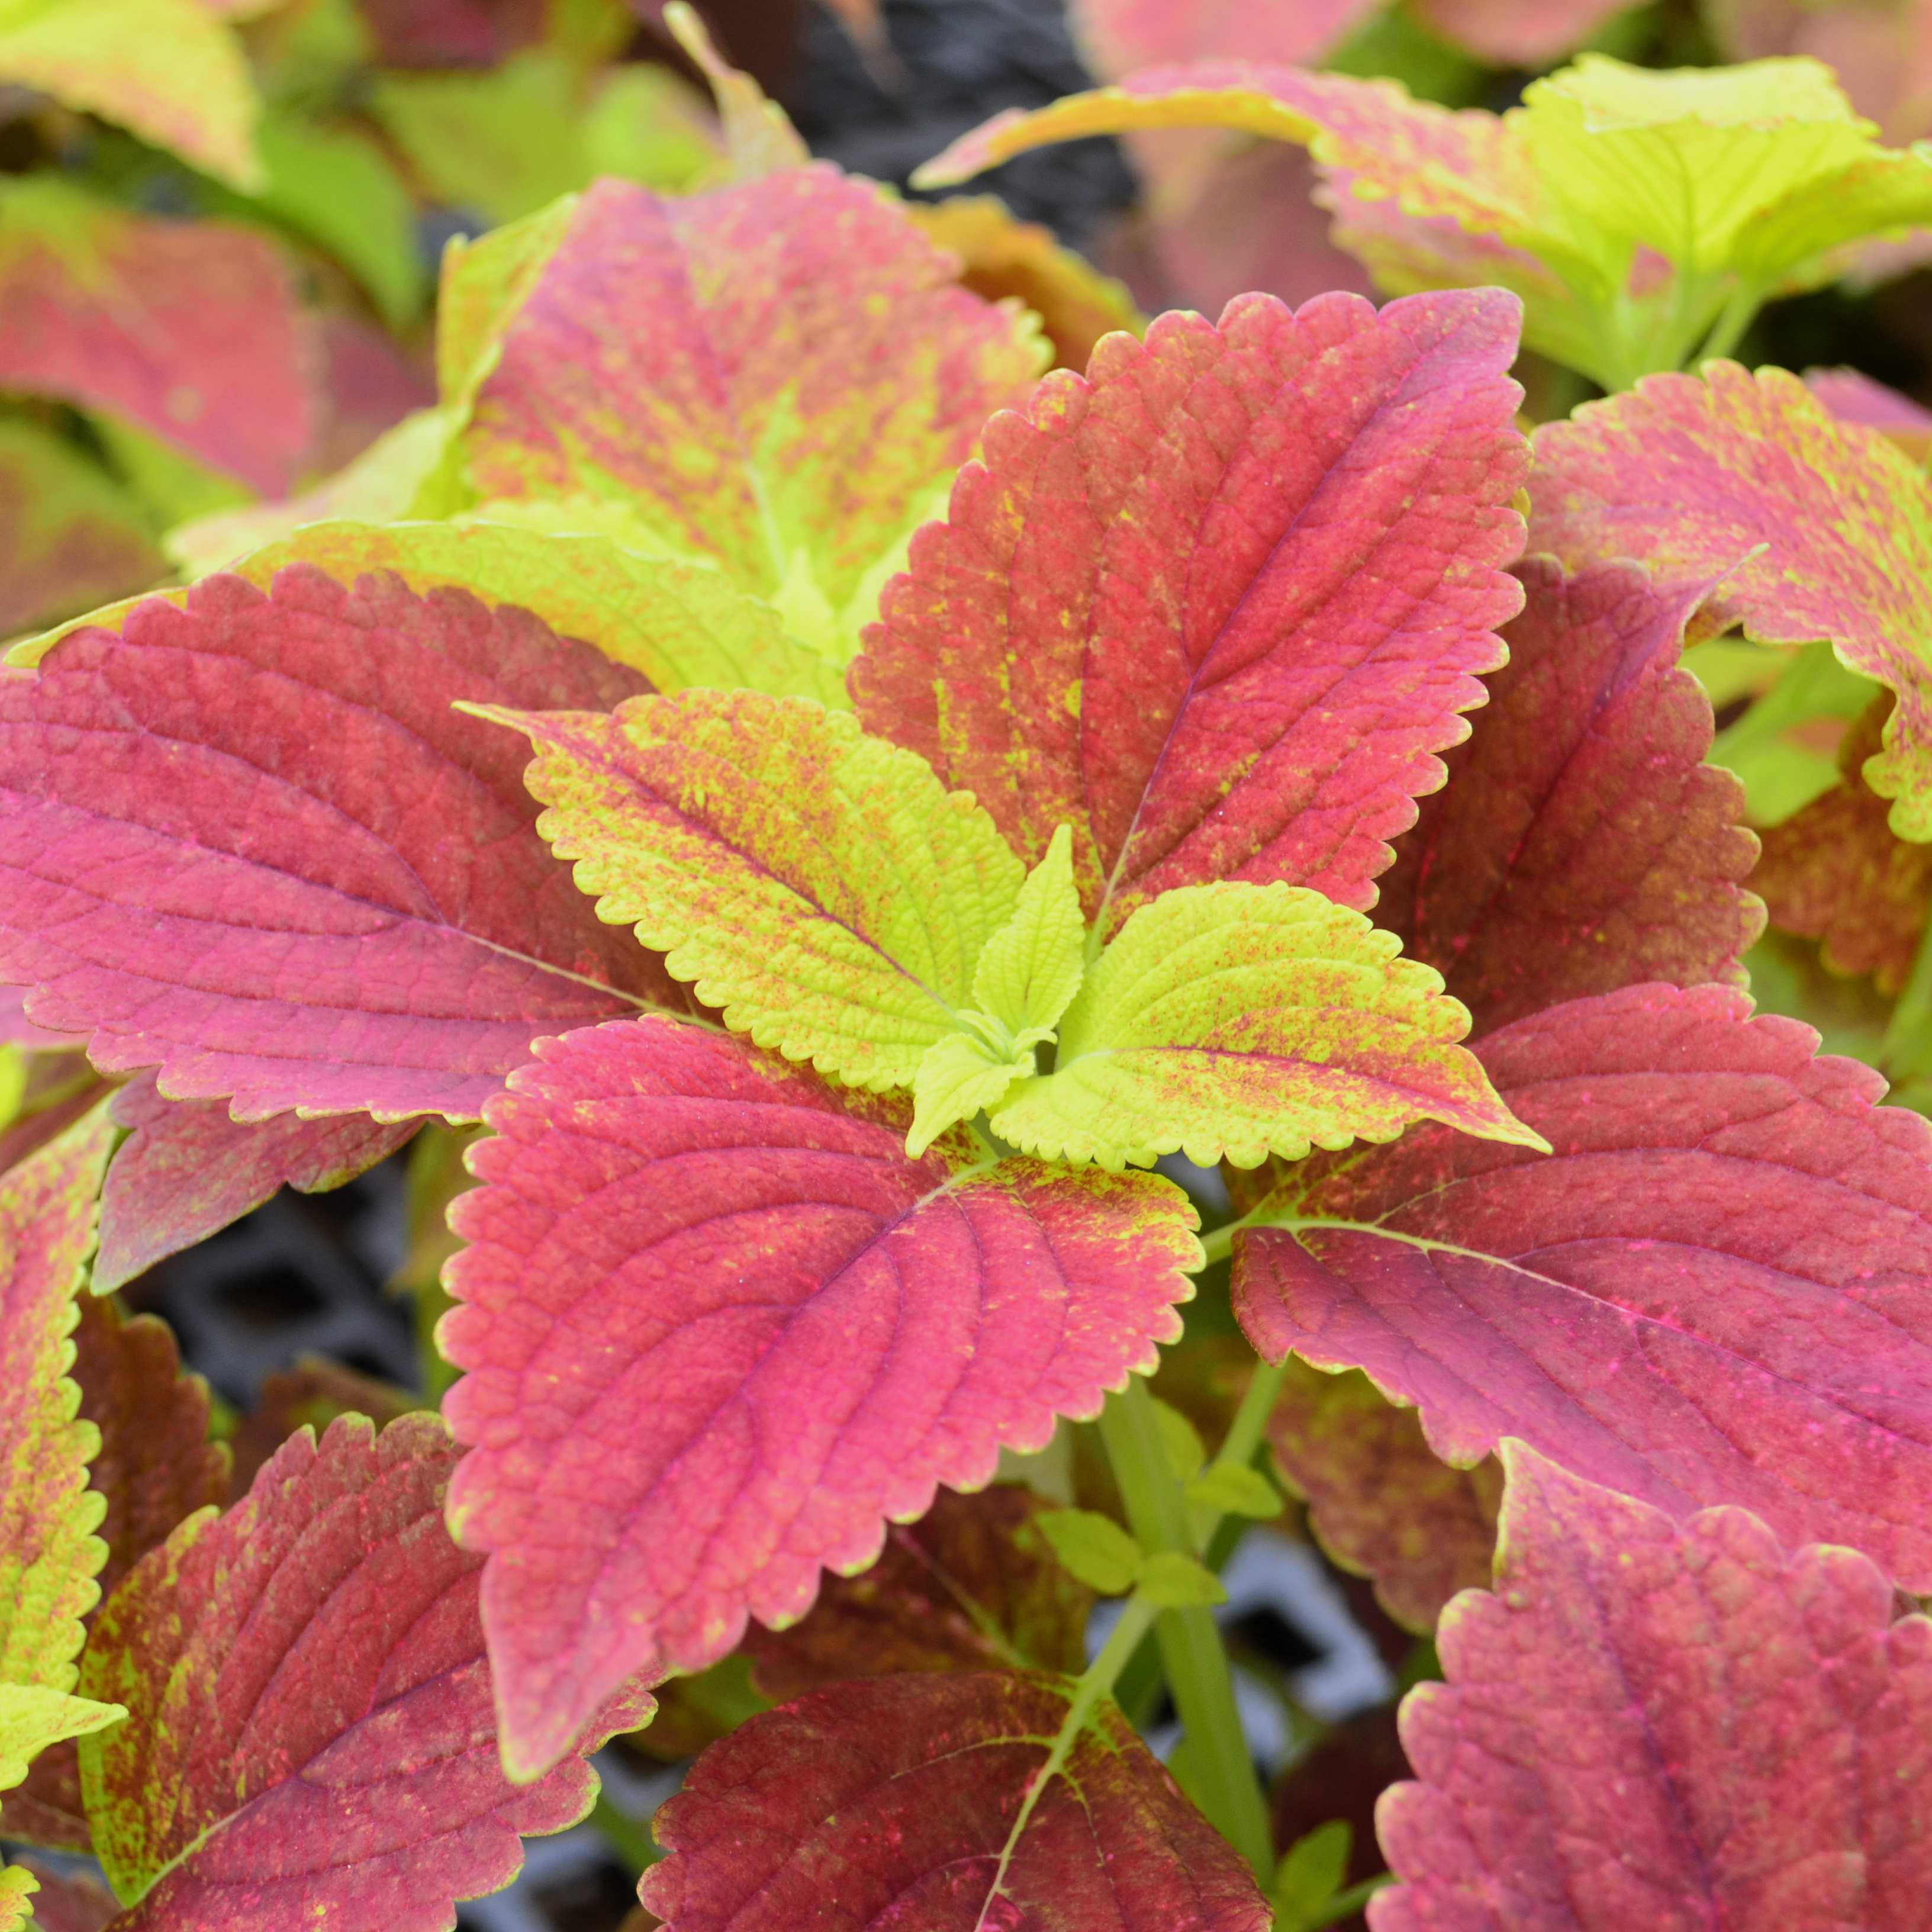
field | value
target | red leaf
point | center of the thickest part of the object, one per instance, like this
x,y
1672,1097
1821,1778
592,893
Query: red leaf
x,y
186,1170
310,1739
719,1324
972,1584
1659,1724
1218,605
310,1395
189,329
1380,1501
1517,33
156,1464
1582,844
1714,1290
888,1801
1837,872
250,841
1853,396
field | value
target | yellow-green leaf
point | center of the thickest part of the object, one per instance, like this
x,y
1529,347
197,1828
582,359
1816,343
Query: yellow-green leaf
x,y
33,1717
1239,1021
959,1077
1094,1547
821,885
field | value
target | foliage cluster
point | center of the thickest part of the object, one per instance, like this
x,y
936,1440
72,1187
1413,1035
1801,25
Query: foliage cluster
x,y
897,892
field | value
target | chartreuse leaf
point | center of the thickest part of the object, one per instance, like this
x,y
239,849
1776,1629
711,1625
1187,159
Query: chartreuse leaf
x,y
1713,1289
821,886
677,624
320,1641
173,71
722,1285
50,1555
1661,1723
1031,968
759,137
1234,1489
1740,178
17,1886
997,1798
1817,529
1095,1548
1238,1020
1310,1874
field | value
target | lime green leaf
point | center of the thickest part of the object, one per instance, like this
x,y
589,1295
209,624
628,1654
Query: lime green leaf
x,y
1031,968
484,283
959,1077
1179,1438
1242,1020
1311,1872
1178,1583
33,1717
335,186
1235,1489
170,70
759,138
1686,162
821,885
1094,1547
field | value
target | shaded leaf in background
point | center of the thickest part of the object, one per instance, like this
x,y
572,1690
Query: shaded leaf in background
x,y
306,1675
155,1465
1513,33
1581,843
1881,53
1382,1504
817,884
310,1395
1837,872
172,70
1820,530
1341,1776
1714,1290
1120,35
49,1553
808,379
186,1170
819,1329
1655,1723
1164,611
342,902
972,1585
1244,1020
69,537
1001,255
189,329
1855,397
906,1789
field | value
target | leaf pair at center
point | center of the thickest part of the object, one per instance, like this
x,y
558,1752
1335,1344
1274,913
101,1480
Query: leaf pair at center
x,y
841,906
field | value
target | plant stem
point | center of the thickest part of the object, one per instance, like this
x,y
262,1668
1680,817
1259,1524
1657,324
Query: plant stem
x,y
1904,1052
1221,1773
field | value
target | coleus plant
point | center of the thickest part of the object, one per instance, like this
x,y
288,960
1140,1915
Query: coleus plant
x,y
969,868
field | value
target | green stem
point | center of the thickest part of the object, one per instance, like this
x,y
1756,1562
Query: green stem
x,y
1221,1775
1728,330
1904,1052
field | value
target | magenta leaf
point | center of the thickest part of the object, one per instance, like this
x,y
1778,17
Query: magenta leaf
x,y
1663,1724
1218,604
1715,1290
1582,844
718,1325
186,1170
888,1802
311,1740
250,844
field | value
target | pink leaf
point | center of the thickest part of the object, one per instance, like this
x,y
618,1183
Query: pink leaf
x,y
1715,1290
310,1739
186,1170
1124,35
719,1326
1219,604
1581,843
1661,1724
1517,33
888,1801
191,329
250,842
